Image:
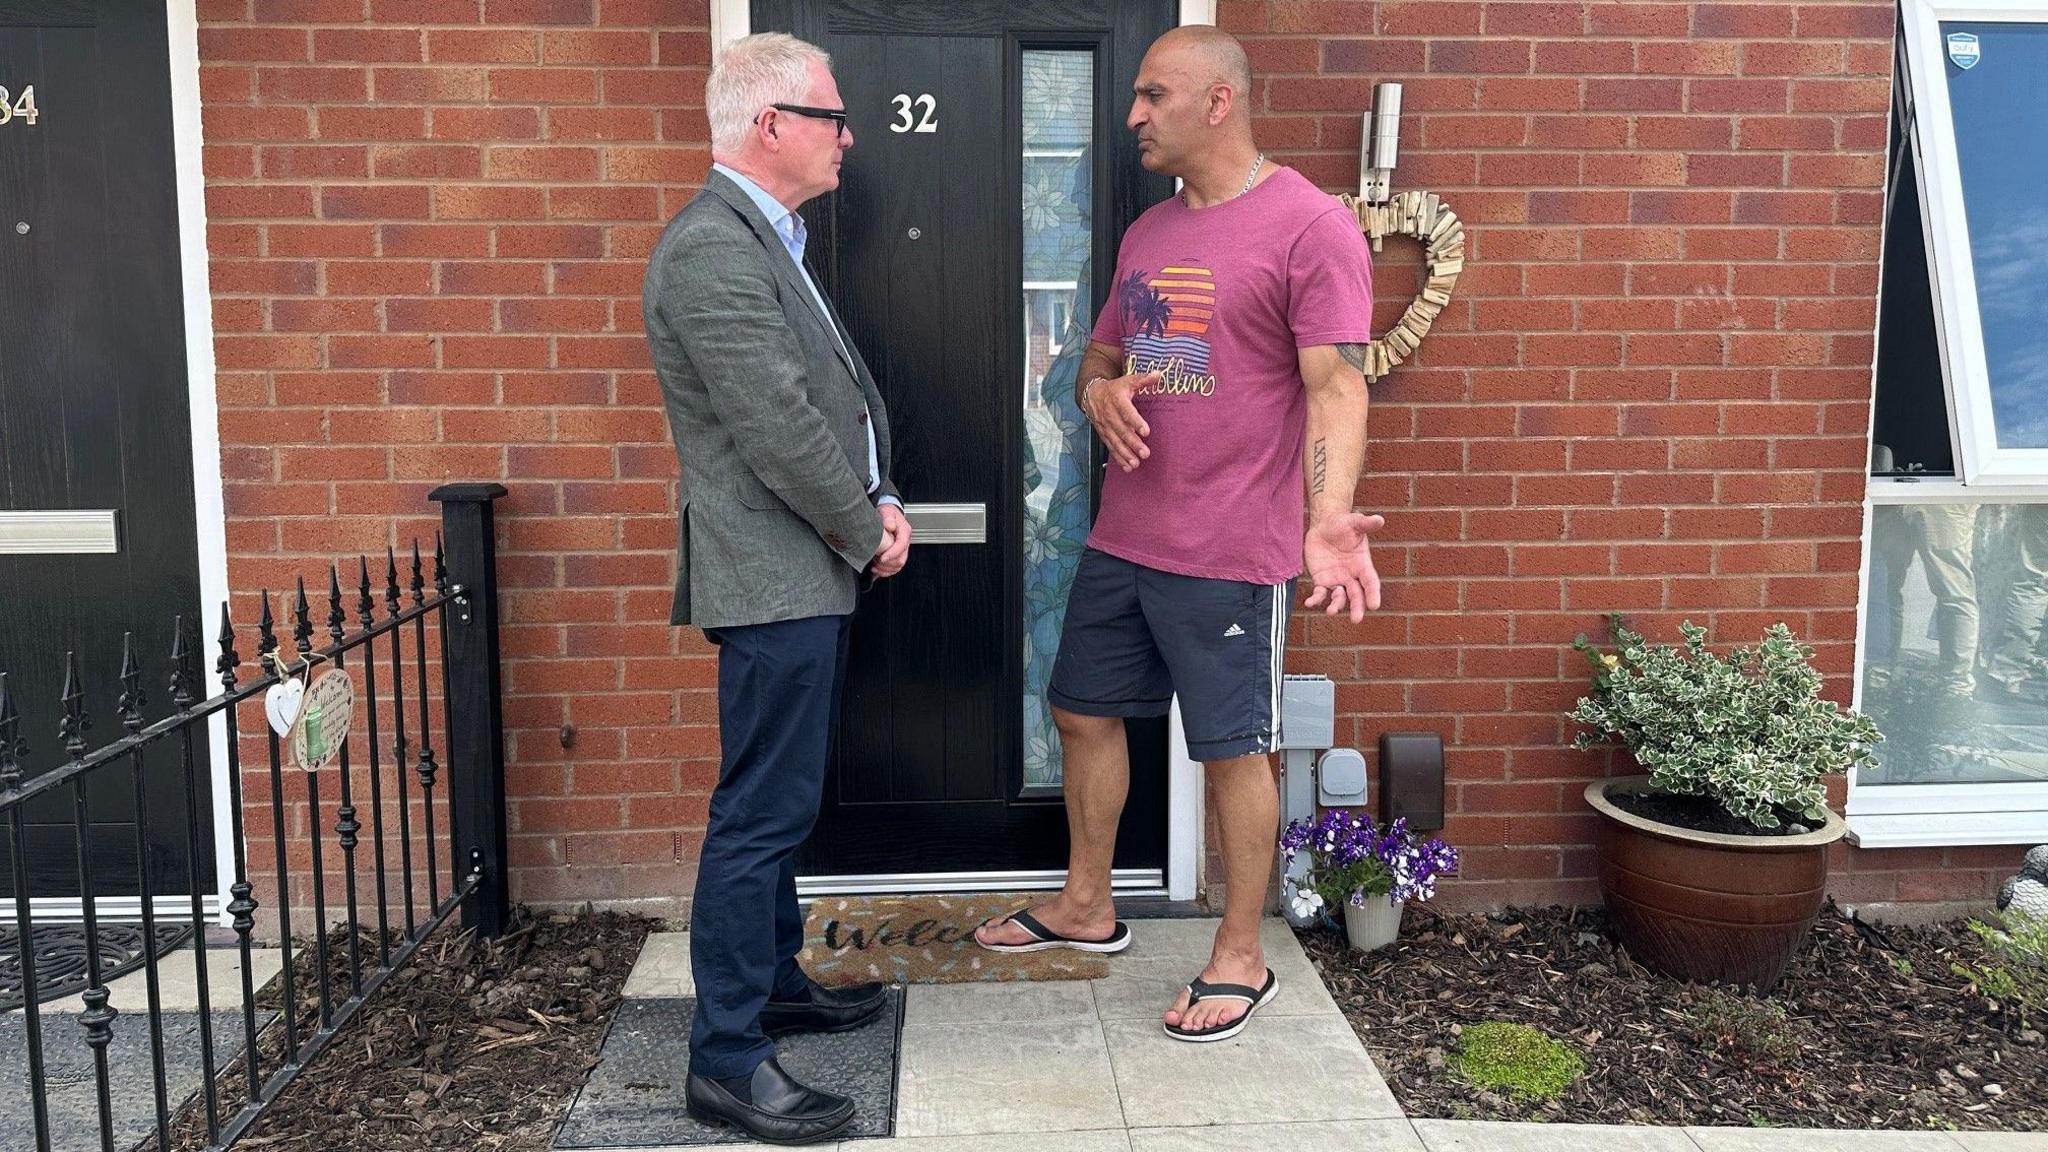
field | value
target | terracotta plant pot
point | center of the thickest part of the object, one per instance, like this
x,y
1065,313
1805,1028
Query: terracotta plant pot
x,y
1708,907
1374,925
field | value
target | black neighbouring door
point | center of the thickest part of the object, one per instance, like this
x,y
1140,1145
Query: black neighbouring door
x,y
94,415
971,239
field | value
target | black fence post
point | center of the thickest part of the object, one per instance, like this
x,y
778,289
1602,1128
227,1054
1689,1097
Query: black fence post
x,y
475,710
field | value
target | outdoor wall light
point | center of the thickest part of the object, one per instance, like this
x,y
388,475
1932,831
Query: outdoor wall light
x,y
1424,216
1382,148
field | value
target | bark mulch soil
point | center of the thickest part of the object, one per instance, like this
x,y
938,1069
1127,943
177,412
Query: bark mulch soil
x,y
477,1044
1876,1030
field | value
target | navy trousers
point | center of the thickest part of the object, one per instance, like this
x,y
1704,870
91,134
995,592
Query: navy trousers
x,y
778,699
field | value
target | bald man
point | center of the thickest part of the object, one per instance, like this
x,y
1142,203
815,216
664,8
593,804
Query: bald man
x,y
1225,378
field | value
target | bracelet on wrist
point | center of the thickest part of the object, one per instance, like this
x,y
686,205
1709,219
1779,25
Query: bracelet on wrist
x,y
1081,398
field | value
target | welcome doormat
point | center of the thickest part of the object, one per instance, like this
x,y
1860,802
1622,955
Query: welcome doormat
x,y
926,940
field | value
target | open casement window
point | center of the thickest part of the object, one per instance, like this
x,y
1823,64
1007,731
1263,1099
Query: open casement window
x,y
1978,131
1951,662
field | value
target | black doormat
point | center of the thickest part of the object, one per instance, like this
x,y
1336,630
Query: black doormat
x,y
634,1098
70,1085
60,957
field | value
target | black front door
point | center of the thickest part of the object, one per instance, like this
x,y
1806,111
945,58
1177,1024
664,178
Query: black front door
x,y
972,236
94,420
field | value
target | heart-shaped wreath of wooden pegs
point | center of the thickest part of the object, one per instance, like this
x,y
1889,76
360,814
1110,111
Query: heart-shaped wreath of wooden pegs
x,y
1425,217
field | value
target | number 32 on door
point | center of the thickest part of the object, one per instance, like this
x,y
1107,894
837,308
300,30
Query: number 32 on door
x,y
926,121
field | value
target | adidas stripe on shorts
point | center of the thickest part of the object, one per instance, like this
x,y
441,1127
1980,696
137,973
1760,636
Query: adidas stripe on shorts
x,y
1135,637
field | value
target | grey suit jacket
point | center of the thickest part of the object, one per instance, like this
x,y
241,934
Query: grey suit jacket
x,y
768,414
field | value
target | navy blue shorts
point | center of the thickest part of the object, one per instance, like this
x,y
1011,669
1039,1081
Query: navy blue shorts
x,y
1135,637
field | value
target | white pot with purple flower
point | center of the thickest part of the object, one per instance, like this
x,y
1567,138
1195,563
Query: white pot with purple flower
x,y
1367,871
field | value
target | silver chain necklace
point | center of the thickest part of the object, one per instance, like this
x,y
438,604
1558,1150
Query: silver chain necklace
x,y
1253,175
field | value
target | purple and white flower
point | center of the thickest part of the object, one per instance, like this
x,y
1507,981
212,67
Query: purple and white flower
x,y
1352,859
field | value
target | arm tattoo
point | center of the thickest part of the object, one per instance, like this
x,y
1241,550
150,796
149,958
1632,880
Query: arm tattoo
x,y
1319,474
1353,354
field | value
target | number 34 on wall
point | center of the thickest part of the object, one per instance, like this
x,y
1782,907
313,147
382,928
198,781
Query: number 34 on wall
x,y
23,109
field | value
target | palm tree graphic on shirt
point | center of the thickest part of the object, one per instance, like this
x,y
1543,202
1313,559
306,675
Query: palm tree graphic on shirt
x,y
1147,310
1167,317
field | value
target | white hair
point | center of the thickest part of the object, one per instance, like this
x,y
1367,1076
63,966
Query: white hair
x,y
752,73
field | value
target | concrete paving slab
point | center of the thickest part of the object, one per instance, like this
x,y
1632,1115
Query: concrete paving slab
x,y
1305,1136
1181,940
663,969
1143,984
2002,1141
1817,1140
1300,1067
178,982
1018,1002
1102,1140
1498,1136
969,1079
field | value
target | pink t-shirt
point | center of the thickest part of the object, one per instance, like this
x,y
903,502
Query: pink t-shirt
x,y
1218,299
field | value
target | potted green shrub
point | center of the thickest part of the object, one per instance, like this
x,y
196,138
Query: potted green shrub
x,y
1713,864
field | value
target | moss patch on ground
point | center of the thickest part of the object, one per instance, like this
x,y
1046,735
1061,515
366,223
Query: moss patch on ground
x,y
1517,1059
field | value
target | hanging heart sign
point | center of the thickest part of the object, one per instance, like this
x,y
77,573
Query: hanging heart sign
x,y
281,705
324,721
1425,217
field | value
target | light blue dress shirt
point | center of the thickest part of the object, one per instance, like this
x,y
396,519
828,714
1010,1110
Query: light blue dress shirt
x,y
790,228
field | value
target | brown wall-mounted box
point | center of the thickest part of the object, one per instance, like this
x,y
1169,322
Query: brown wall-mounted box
x,y
1412,779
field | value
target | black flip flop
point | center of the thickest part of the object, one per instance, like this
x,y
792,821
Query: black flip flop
x,y
1044,939
1200,990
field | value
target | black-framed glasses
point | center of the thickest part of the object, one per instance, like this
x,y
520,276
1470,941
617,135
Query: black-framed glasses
x,y
836,115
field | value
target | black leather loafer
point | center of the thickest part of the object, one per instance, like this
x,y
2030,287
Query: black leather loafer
x,y
828,1010
783,1111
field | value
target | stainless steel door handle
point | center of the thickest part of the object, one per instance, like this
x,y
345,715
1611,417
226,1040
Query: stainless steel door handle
x,y
59,531
947,523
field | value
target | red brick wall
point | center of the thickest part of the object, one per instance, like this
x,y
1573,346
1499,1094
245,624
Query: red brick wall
x,y
1650,393
428,220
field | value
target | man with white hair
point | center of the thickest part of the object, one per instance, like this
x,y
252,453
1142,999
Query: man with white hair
x,y
785,504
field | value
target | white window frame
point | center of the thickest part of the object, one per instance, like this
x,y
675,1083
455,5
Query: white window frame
x,y
1055,322
1059,314
1937,160
1927,815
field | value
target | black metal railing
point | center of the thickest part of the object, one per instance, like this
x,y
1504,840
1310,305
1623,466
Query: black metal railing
x,y
454,606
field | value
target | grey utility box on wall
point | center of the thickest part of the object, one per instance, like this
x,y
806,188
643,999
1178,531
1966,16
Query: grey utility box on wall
x,y
1308,712
1340,779
1308,724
